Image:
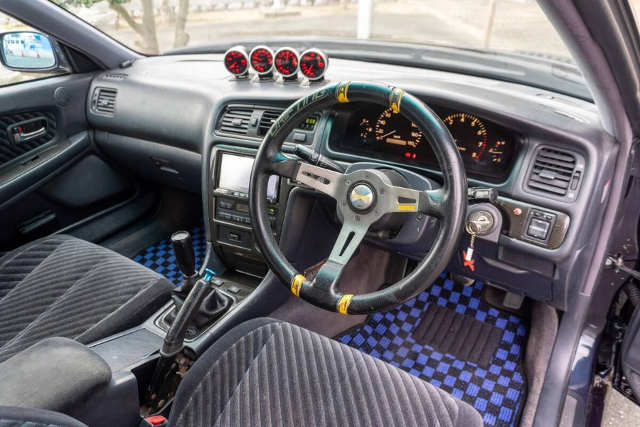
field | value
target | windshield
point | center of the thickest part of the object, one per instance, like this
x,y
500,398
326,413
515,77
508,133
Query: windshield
x,y
157,26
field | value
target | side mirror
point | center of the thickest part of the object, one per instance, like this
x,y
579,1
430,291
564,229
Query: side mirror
x,y
27,51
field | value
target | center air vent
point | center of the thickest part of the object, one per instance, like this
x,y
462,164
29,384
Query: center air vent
x,y
104,100
556,172
267,120
236,120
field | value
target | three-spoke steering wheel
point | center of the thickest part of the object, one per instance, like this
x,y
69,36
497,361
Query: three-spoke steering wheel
x,y
363,198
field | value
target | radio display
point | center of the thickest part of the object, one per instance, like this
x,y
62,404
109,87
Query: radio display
x,y
235,174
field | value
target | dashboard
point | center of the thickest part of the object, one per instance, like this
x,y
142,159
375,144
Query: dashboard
x,y
486,148
176,118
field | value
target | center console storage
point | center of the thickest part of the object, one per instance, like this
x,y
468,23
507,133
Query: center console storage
x,y
230,221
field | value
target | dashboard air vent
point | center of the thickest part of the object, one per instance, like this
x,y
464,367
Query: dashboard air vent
x,y
267,120
553,172
114,76
104,100
236,119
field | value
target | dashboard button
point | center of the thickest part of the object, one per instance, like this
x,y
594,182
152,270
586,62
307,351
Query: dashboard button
x,y
233,289
538,229
299,137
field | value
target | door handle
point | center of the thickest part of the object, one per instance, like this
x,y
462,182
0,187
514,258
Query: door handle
x,y
27,130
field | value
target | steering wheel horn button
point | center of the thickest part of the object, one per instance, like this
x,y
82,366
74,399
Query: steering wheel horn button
x,y
362,197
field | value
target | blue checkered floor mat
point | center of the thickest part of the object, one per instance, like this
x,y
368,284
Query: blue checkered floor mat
x,y
497,392
159,257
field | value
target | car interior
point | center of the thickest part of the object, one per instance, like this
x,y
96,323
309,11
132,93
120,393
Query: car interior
x,y
307,232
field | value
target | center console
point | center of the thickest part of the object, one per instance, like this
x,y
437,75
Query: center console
x,y
231,232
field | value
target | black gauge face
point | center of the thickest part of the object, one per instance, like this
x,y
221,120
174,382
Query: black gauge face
x,y
236,62
376,132
313,64
286,62
262,60
393,128
470,136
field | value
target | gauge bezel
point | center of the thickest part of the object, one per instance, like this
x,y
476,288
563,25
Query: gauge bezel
x,y
326,61
296,71
268,72
243,51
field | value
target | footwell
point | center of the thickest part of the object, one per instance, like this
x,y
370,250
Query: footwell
x,y
484,369
159,257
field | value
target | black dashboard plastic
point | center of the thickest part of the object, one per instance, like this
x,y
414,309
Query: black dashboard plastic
x,y
172,106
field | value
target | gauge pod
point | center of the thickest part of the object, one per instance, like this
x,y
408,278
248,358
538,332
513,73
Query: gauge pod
x,y
236,61
261,59
314,64
287,62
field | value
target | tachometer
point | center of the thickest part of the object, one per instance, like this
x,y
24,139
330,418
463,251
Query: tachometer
x,y
469,134
393,128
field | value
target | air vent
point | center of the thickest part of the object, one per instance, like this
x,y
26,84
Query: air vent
x,y
104,100
553,172
114,76
236,119
267,120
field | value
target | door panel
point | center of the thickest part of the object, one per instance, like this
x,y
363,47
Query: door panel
x,y
11,149
58,180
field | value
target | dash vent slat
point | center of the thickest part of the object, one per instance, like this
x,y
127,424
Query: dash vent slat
x,y
267,120
552,171
235,120
104,100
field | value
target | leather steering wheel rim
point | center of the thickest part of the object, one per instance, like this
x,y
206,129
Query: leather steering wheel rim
x,y
447,204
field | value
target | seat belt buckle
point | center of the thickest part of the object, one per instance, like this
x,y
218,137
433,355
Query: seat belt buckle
x,y
154,421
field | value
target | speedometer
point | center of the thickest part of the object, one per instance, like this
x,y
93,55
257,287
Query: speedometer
x,y
470,135
393,128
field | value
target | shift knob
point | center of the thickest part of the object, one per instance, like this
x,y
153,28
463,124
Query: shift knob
x,y
184,253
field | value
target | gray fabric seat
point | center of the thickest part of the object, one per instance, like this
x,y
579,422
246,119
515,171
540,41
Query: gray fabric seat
x,y
61,286
269,373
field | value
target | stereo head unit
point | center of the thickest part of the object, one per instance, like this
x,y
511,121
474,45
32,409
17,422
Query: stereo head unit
x,y
234,174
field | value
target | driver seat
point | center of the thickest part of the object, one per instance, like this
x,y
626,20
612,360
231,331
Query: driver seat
x,y
270,373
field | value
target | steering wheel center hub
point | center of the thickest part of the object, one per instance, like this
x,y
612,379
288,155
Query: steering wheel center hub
x,y
362,198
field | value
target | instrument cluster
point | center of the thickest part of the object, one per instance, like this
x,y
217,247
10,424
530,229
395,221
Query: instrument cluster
x,y
486,148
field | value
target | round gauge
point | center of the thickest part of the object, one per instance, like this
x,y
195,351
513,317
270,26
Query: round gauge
x,y
313,64
393,128
469,134
236,61
497,152
287,62
261,58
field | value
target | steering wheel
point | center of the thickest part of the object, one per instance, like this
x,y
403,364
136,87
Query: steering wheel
x,y
364,198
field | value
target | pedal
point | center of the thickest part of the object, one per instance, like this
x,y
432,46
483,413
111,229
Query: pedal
x,y
513,301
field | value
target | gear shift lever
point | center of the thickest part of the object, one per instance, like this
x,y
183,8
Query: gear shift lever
x,y
185,258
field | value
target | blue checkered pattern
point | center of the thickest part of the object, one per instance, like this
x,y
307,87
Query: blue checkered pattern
x,y
159,257
497,392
